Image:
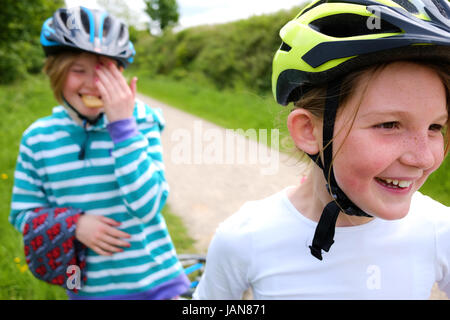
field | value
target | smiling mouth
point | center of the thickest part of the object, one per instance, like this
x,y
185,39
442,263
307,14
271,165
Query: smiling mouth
x,y
395,184
88,95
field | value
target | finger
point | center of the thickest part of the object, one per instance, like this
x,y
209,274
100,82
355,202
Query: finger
x,y
110,221
112,231
133,86
108,248
101,251
114,76
107,81
115,242
117,87
120,80
116,233
115,72
116,79
103,91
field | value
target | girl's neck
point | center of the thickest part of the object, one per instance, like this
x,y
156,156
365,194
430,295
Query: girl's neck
x,y
80,119
311,196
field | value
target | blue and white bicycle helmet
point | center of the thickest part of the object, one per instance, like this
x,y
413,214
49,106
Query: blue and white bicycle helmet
x,y
89,30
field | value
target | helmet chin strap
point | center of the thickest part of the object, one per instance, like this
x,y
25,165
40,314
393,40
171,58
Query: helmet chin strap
x,y
324,234
84,121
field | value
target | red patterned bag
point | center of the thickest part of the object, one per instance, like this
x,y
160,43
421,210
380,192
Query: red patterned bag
x,y
52,252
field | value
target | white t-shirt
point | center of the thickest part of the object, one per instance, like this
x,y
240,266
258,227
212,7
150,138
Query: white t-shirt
x,y
265,246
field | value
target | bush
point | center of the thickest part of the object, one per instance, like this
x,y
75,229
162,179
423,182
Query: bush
x,y
236,54
11,66
32,56
20,50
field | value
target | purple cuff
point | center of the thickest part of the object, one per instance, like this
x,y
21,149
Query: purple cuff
x,y
164,291
122,129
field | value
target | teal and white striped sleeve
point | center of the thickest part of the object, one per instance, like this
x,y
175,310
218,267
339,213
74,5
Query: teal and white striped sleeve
x,y
28,192
138,165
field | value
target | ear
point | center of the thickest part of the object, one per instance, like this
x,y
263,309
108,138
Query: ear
x,y
304,129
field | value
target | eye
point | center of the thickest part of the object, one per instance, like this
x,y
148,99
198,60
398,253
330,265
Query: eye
x,y
436,127
387,125
77,70
439,128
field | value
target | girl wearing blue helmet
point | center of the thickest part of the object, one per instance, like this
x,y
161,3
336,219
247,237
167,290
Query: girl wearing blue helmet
x,y
89,182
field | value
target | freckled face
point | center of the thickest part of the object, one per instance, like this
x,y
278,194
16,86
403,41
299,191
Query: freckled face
x,y
395,142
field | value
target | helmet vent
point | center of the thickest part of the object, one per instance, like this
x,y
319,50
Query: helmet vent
x,y
121,32
441,8
106,26
67,40
123,35
408,6
63,17
285,47
85,21
312,7
350,25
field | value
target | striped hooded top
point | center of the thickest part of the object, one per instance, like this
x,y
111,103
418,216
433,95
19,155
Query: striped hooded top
x,y
120,175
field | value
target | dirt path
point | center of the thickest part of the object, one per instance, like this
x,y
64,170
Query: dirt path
x,y
203,192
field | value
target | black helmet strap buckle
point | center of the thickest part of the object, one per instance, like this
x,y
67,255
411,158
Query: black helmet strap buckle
x,y
324,234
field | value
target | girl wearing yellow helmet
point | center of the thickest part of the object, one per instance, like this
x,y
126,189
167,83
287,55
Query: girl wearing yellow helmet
x,y
370,86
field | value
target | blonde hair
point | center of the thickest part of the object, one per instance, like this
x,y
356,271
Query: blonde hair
x,y
314,100
56,68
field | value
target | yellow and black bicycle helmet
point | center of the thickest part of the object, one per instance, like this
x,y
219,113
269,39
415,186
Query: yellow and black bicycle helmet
x,y
329,39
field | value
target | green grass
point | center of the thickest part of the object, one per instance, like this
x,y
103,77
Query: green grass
x,y
227,108
20,105
178,232
231,109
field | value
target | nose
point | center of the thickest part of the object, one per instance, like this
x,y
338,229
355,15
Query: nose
x,y
418,152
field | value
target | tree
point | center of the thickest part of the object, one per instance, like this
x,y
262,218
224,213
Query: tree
x,y
20,50
164,12
122,10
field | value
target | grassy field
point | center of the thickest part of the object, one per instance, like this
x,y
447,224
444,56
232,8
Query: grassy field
x,y
20,105
231,109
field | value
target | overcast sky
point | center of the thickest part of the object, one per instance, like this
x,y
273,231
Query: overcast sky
x,y
197,12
